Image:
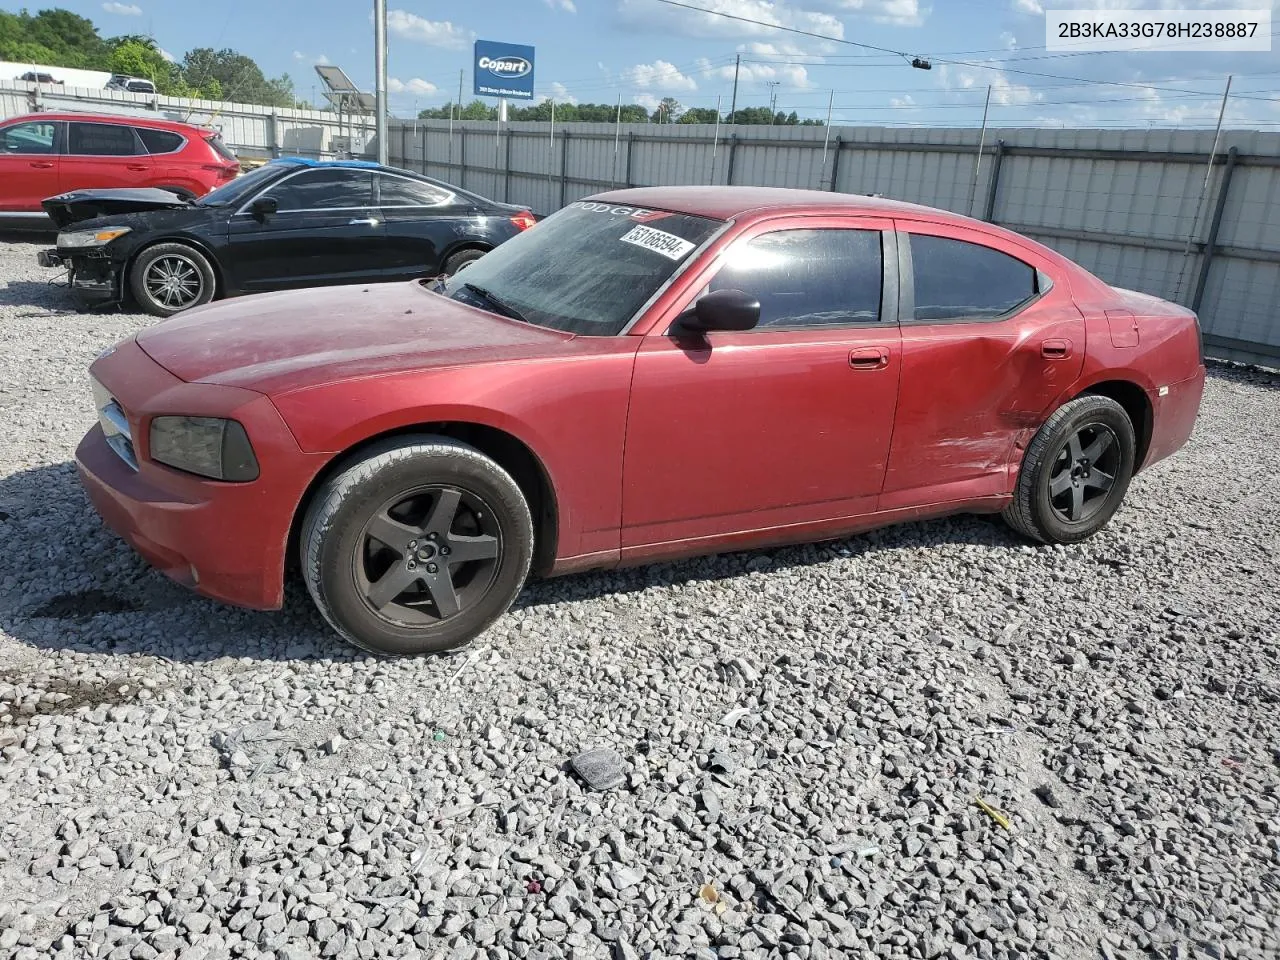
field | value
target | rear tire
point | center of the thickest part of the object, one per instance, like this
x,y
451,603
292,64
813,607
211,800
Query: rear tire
x,y
1075,472
416,548
171,277
461,259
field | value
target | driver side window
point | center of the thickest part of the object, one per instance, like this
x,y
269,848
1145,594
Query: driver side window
x,y
807,278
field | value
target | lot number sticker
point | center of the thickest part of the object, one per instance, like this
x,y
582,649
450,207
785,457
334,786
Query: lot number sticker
x,y
659,241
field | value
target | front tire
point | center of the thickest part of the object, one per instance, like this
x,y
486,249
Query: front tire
x,y
460,260
1075,472
171,277
416,548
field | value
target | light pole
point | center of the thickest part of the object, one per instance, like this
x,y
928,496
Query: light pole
x,y
380,68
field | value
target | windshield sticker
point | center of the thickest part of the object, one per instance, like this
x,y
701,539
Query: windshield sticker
x,y
659,241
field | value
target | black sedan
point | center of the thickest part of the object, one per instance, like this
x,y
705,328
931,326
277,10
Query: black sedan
x,y
289,223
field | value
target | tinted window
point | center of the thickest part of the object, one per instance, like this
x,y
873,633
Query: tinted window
x,y
400,192
588,267
325,190
160,141
954,278
807,278
102,140
27,138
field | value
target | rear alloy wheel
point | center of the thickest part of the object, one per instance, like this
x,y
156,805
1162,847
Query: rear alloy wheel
x,y
460,260
1075,472
418,547
171,277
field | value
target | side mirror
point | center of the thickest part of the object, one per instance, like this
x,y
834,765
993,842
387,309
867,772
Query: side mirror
x,y
720,310
264,207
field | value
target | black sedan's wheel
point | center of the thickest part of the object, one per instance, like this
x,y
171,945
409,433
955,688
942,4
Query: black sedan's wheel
x,y
418,547
171,277
460,260
1075,472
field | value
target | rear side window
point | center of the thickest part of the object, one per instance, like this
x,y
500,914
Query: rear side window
x,y
808,278
102,140
402,192
955,279
160,141
36,137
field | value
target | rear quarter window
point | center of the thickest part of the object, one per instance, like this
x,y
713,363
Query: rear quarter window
x,y
160,141
960,280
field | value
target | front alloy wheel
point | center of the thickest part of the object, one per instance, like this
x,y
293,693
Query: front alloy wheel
x,y
171,277
417,546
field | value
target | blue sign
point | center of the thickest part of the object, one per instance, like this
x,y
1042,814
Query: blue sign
x,y
503,70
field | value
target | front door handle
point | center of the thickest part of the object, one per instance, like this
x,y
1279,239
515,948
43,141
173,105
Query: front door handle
x,y
42,164
1055,349
869,358
368,222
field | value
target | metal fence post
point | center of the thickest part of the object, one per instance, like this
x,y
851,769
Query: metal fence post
x,y
462,157
989,208
506,175
1211,241
631,143
564,164
273,137
733,150
835,164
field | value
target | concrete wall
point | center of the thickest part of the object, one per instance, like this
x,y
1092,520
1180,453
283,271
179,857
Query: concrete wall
x,y
1122,203
251,131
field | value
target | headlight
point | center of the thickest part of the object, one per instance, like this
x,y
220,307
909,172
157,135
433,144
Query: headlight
x,y
206,446
91,238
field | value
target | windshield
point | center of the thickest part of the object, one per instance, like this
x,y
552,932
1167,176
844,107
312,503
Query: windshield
x,y
586,269
241,187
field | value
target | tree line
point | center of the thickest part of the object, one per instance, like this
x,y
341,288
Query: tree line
x,y
60,38
668,111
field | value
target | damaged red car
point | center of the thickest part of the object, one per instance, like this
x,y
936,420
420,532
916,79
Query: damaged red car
x,y
647,374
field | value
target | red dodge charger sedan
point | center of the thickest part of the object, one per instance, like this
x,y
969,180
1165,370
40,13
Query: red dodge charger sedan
x,y
646,374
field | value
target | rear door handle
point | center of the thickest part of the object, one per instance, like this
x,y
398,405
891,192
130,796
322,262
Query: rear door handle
x,y
1055,349
369,222
869,358
42,164
136,166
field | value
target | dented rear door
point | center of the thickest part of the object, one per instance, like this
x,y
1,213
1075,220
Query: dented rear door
x,y
980,368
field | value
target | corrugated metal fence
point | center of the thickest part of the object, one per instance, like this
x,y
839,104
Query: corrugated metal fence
x,y
251,131
1129,205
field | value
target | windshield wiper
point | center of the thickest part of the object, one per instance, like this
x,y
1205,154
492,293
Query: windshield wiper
x,y
502,306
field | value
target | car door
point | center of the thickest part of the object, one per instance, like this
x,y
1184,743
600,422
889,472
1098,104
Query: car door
x,y
422,222
325,230
100,155
988,342
784,425
29,164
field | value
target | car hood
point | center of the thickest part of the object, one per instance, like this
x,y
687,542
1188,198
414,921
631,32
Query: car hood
x,y
278,342
78,205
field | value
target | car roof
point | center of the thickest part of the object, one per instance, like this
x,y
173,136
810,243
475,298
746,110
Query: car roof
x,y
729,203
155,122
309,162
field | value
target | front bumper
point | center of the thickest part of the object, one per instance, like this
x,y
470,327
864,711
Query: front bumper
x,y
94,278
226,541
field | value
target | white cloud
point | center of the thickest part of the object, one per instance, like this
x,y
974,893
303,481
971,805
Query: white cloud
x,y
904,102
658,75
560,93
167,55
123,9
1032,7
308,58
1004,92
434,33
792,74
417,86
681,22
903,13
567,6
1009,40
647,100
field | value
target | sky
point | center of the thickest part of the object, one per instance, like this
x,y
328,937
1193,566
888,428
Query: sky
x,y
644,50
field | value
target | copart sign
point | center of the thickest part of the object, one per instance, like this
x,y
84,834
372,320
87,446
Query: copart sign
x,y
503,70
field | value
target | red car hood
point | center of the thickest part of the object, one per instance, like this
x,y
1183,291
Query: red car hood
x,y
276,342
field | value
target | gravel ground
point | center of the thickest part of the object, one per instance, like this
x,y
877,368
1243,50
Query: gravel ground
x,y
803,734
